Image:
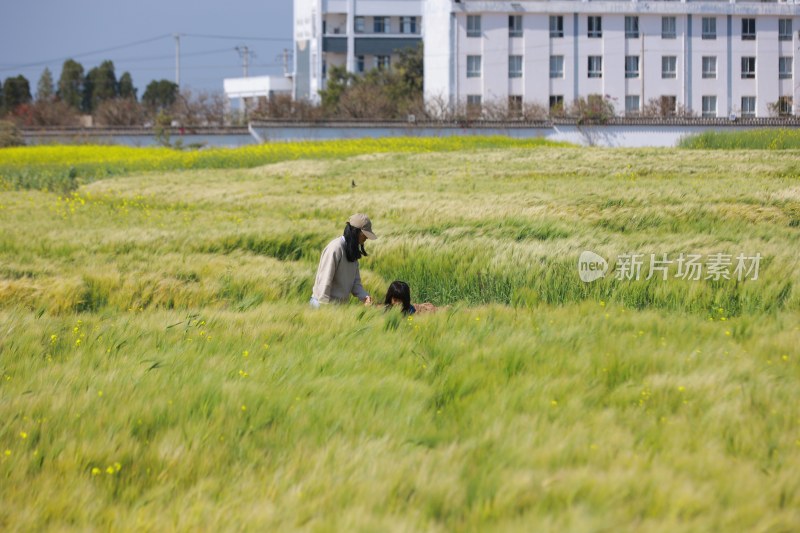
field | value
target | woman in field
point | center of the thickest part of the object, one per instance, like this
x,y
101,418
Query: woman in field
x,y
337,275
399,293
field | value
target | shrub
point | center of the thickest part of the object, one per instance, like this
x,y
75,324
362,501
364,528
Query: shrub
x,y
9,135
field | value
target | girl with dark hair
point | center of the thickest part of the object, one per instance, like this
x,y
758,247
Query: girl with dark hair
x,y
338,275
399,293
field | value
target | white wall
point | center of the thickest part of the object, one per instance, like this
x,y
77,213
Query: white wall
x,y
536,47
439,52
494,47
400,8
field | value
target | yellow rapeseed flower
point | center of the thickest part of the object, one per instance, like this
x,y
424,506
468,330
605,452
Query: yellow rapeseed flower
x,y
95,471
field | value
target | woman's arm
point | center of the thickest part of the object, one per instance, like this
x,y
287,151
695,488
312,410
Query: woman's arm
x,y
358,289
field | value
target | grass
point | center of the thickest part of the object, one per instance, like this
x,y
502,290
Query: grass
x,y
160,368
64,168
750,139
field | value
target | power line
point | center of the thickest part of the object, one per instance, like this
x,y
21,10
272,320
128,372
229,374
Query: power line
x,y
239,38
8,66
84,54
136,59
208,67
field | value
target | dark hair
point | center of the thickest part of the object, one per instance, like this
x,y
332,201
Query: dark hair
x,y
352,249
400,291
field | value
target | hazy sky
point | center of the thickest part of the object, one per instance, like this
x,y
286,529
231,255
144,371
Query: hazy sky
x,y
138,37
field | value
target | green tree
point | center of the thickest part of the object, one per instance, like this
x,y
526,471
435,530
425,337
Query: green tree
x,y
17,91
379,93
100,85
160,95
406,79
336,85
44,89
70,84
126,88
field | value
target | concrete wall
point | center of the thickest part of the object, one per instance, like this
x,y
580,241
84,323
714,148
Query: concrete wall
x,y
446,53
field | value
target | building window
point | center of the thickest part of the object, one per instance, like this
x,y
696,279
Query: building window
x,y
748,68
381,25
709,28
748,106
632,105
324,27
556,26
515,25
710,106
785,67
360,64
631,66
668,28
384,62
515,104
474,104
631,27
360,25
595,66
408,25
669,105
669,67
556,66
556,103
473,66
784,29
595,27
710,67
748,29
324,69
514,66
784,105
473,25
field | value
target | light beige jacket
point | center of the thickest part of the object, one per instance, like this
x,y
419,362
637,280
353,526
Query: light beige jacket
x,y
337,278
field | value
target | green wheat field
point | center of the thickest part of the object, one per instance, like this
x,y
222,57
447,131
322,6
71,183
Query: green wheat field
x,y
161,370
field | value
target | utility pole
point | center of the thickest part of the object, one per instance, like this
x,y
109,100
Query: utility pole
x,y
244,53
178,60
285,61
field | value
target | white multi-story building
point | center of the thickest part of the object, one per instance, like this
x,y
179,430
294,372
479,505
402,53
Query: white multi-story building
x,y
711,58
357,34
